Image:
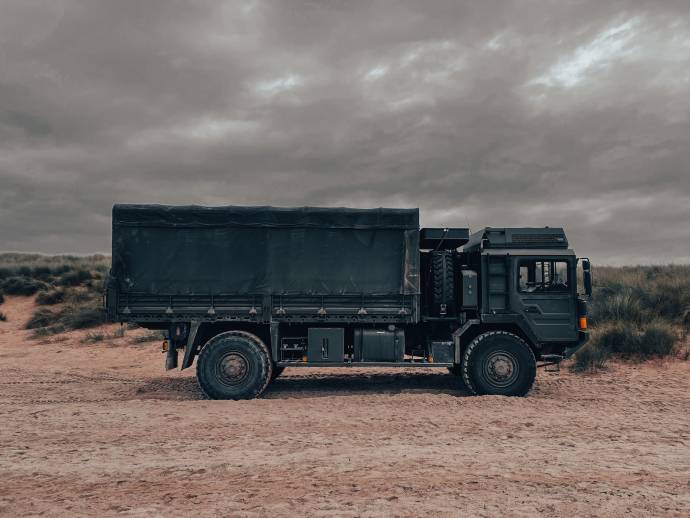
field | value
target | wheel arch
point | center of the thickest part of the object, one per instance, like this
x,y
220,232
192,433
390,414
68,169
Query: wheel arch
x,y
209,330
467,333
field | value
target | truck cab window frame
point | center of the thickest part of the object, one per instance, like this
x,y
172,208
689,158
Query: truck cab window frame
x,y
544,275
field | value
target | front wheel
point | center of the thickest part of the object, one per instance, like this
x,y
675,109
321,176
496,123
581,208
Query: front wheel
x,y
456,372
234,365
277,371
499,363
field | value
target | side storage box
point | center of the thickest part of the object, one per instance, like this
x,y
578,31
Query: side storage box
x,y
442,352
470,291
326,344
378,345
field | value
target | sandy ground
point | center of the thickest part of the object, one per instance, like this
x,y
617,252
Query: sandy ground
x,y
101,429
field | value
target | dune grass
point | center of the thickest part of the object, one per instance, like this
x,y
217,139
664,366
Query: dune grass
x,y
637,312
73,282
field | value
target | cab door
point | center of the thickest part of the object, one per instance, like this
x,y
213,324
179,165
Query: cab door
x,y
545,295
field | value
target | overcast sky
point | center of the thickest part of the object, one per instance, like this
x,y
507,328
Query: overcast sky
x,y
573,114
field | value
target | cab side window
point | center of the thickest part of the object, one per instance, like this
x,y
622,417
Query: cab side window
x,y
543,276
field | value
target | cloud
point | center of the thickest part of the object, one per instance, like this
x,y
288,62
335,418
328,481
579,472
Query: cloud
x,y
511,113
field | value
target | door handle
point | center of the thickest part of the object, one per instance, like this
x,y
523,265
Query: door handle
x,y
532,309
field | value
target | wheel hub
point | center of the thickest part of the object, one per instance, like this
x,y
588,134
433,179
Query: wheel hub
x,y
234,367
501,369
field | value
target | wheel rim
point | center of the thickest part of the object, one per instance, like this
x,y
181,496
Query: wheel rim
x,y
232,369
501,369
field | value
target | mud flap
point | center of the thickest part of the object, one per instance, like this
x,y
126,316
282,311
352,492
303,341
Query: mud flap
x,y
190,348
171,356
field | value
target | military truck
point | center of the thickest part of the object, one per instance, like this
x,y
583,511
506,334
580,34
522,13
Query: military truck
x,y
249,291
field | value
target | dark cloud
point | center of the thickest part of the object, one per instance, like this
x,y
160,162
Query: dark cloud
x,y
480,113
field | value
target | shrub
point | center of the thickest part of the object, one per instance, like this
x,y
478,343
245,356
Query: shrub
x,y
667,299
658,339
655,340
617,338
617,303
81,318
42,332
2,298
21,286
24,271
42,317
3,317
641,293
74,278
92,337
60,269
590,358
80,296
153,336
48,298
97,336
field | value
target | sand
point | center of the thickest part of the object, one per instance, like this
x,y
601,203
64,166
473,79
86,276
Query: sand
x,y
102,429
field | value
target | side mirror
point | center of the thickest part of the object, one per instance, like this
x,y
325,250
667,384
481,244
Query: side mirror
x,y
587,277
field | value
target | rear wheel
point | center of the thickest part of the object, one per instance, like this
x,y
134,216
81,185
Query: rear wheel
x,y
234,365
499,363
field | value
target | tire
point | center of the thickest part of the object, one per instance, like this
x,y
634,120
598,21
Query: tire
x,y
499,363
456,370
443,275
277,371
234,365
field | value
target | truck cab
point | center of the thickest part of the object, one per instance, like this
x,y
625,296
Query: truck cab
x,y
530,279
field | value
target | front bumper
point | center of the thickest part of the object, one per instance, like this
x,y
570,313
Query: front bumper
x,y
583,337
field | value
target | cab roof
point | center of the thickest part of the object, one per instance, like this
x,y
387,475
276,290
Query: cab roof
x,y
518,238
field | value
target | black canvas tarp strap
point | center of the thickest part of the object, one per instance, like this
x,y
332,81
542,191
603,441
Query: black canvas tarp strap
x,y
272,217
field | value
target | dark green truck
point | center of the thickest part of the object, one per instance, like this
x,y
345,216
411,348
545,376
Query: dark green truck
x,y
248,291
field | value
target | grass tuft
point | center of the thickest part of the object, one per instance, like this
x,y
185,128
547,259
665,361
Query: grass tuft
x,y
82,318
153,336
74,277
658,340
93,337
42,317
590,358
49,298
640,294
653,340
97,336
21,285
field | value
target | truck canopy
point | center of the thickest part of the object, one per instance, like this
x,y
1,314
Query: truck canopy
x,y
265,250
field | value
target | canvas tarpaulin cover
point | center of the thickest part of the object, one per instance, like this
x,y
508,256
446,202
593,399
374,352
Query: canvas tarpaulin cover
x,y
265,250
